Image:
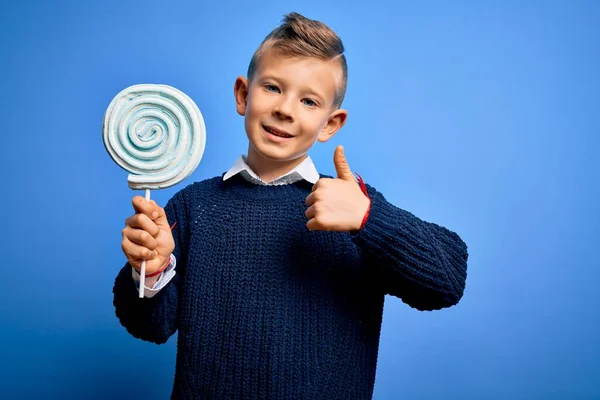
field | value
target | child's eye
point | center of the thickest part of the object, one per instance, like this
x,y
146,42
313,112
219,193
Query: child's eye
x,y
309,102
272,88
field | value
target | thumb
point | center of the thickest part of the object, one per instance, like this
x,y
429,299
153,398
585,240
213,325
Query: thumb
x,y
341,165
159,216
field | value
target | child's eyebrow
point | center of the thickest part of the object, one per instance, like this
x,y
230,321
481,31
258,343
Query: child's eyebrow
x,y
266,77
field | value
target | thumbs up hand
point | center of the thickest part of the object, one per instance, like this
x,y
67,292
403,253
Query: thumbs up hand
x,y
337,204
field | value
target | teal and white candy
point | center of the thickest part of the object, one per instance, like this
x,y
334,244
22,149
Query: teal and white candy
x,y
157,134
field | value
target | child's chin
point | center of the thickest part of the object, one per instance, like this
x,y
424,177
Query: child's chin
x,y
279,155
276,154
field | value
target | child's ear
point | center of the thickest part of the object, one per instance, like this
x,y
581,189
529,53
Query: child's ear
x,y
335,122
240,91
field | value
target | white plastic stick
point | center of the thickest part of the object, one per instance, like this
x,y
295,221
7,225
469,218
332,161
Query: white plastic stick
x,y
143,269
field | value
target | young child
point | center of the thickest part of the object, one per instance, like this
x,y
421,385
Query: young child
x,y
274,275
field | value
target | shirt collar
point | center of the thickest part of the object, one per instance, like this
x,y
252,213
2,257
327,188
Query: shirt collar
x,y
305,170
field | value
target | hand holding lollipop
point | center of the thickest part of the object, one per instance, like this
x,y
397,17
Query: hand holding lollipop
x,y
156,133
147,238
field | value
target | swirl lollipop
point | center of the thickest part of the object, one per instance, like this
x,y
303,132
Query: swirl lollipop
x,y
157,134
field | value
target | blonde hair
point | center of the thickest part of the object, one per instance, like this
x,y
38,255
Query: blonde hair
x,y
298,36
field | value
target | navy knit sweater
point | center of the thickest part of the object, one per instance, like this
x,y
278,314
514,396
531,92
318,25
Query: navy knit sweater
x,y
266,309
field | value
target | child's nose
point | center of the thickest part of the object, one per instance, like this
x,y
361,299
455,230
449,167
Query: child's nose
x,y
284,109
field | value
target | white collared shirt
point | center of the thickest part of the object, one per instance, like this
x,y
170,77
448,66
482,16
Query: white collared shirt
x,y
305,170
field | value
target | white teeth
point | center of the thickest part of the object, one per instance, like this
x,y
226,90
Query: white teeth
x,y
283,135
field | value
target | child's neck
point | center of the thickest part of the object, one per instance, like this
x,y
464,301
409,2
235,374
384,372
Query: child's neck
x,y
269,170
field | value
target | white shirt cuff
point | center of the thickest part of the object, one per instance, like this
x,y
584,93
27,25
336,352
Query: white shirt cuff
x,y
164,278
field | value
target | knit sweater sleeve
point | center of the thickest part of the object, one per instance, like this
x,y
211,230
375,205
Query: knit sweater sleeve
x,y
155,319
422,263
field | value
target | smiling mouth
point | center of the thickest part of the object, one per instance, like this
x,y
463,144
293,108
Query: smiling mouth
x,y
277,132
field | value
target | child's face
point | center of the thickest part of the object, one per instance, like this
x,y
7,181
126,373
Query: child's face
x,y
289,105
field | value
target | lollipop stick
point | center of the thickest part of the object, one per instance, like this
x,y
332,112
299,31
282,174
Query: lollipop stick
x,y
143,269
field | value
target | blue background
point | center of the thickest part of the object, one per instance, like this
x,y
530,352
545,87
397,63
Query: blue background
x,y
481,117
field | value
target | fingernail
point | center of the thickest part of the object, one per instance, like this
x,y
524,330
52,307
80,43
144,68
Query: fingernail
x,y
154,214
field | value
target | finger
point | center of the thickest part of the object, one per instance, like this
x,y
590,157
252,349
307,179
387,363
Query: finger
x,y
310,199
134,251
141,238
152,210
161,216
136,264
341,165
149,208
143,222
320,183
310,212
142,206
312,225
